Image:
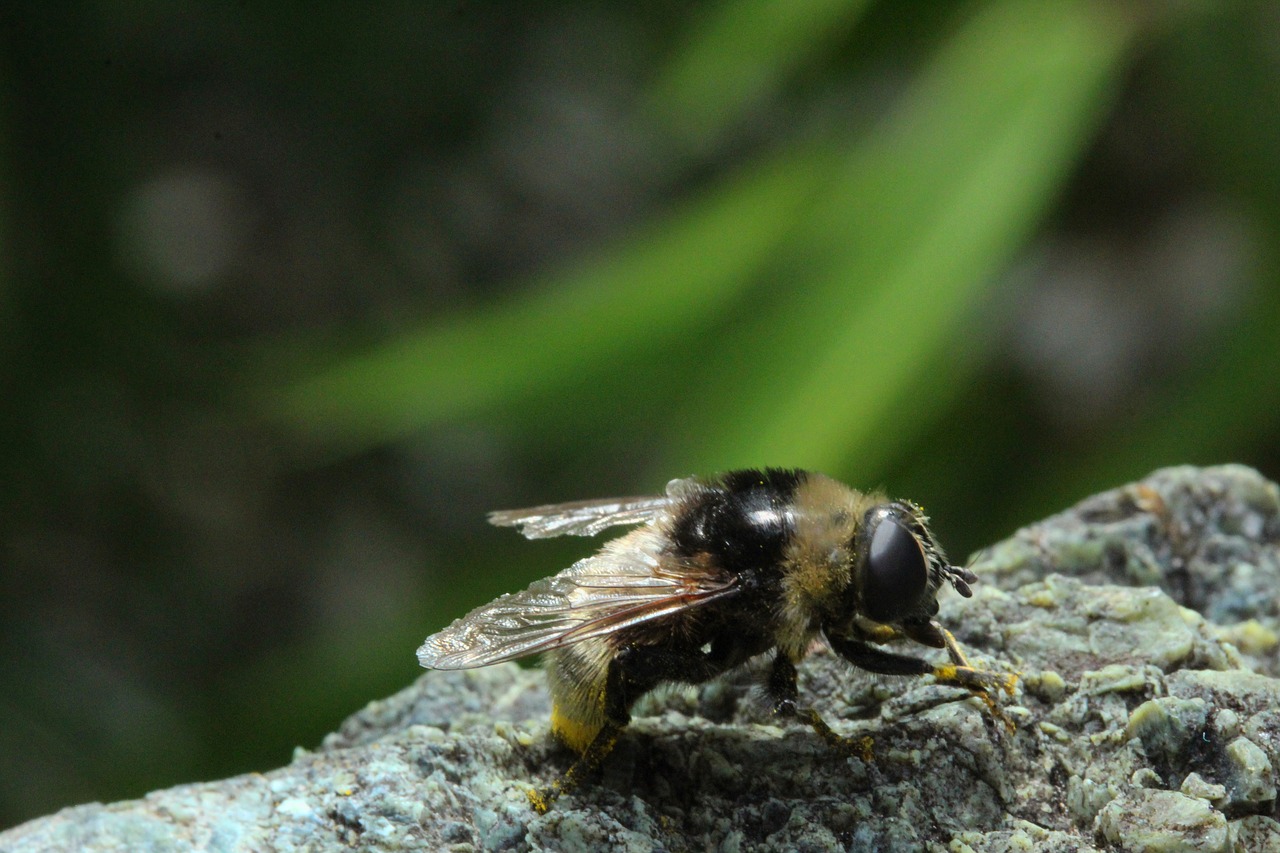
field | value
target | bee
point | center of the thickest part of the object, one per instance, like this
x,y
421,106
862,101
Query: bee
x,y
718,571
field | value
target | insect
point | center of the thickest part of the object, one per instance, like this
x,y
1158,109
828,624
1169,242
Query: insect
x,y
719,571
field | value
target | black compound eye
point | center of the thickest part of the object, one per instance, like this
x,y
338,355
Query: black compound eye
x,y
895,576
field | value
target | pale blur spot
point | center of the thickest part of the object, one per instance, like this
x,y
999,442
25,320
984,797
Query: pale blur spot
x,y
1097,319
184,230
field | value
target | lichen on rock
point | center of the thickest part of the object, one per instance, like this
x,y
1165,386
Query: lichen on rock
x,y
1143,623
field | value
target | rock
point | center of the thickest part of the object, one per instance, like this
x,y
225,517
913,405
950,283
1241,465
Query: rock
x,y
1206,536
1143,623
1163,822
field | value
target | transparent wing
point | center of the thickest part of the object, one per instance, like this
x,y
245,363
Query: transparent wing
x,y
587,518
624,585
580,518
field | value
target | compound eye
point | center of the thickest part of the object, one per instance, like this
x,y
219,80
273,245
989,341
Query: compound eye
x,y
895,575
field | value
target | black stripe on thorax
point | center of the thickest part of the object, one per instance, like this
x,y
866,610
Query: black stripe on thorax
x,y
741,521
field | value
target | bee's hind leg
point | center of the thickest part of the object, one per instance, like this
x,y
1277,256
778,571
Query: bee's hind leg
x,y
583,766
784,694
634,672
616,700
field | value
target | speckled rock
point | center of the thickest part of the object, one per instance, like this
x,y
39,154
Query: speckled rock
x,y
1206,536
1143,623
1144,821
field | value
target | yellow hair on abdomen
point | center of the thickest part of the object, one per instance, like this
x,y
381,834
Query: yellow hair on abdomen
x,y
575,734
576,677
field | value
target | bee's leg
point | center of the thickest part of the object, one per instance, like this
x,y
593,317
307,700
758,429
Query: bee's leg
x,y
880,661
958,671
977,680
953,649
782,691
634,672
584,765
881,634
616,699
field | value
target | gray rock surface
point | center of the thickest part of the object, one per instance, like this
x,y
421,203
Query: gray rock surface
x,y
1143,622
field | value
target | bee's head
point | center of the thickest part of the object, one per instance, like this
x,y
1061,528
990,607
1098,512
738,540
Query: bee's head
x,y
899,567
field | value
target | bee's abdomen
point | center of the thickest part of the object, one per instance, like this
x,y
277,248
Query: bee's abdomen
x,y
576,677
573,731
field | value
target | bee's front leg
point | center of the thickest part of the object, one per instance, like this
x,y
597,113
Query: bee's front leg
x,y
958,672
979,682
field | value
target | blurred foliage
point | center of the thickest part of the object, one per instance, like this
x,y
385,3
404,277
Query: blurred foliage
x,y
291,295
775,284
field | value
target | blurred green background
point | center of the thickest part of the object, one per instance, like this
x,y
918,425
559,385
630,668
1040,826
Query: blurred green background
x,y
291,294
